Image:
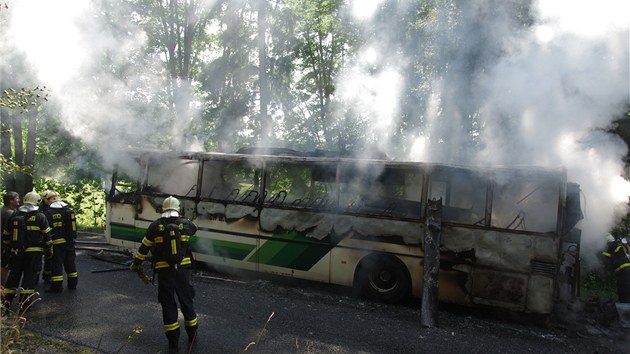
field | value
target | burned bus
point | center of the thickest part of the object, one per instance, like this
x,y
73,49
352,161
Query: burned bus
x,y
508,235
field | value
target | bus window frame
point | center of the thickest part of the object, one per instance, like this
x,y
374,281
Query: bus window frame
x,y
444,174
247,199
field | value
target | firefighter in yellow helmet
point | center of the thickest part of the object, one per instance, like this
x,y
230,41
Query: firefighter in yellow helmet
x,y
29,238
63,235
168,240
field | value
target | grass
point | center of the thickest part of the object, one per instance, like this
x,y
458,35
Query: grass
x,y
16,339
252,345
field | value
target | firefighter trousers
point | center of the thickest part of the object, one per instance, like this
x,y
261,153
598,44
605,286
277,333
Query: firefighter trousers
x,y
623,284
64,257
172,282
25,268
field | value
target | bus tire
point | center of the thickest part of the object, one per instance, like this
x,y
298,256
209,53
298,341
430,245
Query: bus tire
x,y
383,278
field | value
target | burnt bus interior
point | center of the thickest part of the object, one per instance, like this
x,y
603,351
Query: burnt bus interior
x,y
476,201
524,200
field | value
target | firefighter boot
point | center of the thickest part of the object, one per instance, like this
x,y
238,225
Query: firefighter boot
x,y
192,333
173,340
45,277
55,287
73,281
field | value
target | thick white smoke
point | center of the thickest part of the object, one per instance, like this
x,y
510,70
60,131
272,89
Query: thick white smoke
x,y
542,96
110,95
549,101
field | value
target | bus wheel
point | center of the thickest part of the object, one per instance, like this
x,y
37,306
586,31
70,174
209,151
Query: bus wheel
x,y
383,278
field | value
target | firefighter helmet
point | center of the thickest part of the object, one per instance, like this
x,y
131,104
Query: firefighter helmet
x,y
50,197
170,203
32,198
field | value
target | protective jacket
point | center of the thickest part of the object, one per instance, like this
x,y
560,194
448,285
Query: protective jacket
x,y
63,223
618,257
155,236
36,232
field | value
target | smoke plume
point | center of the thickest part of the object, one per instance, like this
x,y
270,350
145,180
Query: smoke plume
x,y
512,88
502,86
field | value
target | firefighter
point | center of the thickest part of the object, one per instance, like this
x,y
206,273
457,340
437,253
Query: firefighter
x,y
617,256
63,235
11,201
174,277
29,238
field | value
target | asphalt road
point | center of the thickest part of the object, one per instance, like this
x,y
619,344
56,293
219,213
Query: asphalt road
x,y
243,314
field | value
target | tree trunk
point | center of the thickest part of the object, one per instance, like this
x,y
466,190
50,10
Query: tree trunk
x,y
265,122
31,145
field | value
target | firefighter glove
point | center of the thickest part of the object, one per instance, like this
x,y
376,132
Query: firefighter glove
x,y
134,267
49,253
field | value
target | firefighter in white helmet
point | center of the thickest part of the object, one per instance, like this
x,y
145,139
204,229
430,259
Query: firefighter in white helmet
x,y
168,239
29,238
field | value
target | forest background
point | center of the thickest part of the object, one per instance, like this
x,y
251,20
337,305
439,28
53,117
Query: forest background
x,y
417,80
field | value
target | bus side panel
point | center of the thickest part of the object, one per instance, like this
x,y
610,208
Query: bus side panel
x,y
503,269
540,295
226,244
121,229
499,288
343,264
149,208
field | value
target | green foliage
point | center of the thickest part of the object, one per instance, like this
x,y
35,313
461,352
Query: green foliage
x,y
86,198
8,166
621,127
598,285
23,98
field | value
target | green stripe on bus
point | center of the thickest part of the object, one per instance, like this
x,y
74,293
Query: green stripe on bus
x,y
220,248
127,233
271,247
289,250
292,250
310,256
